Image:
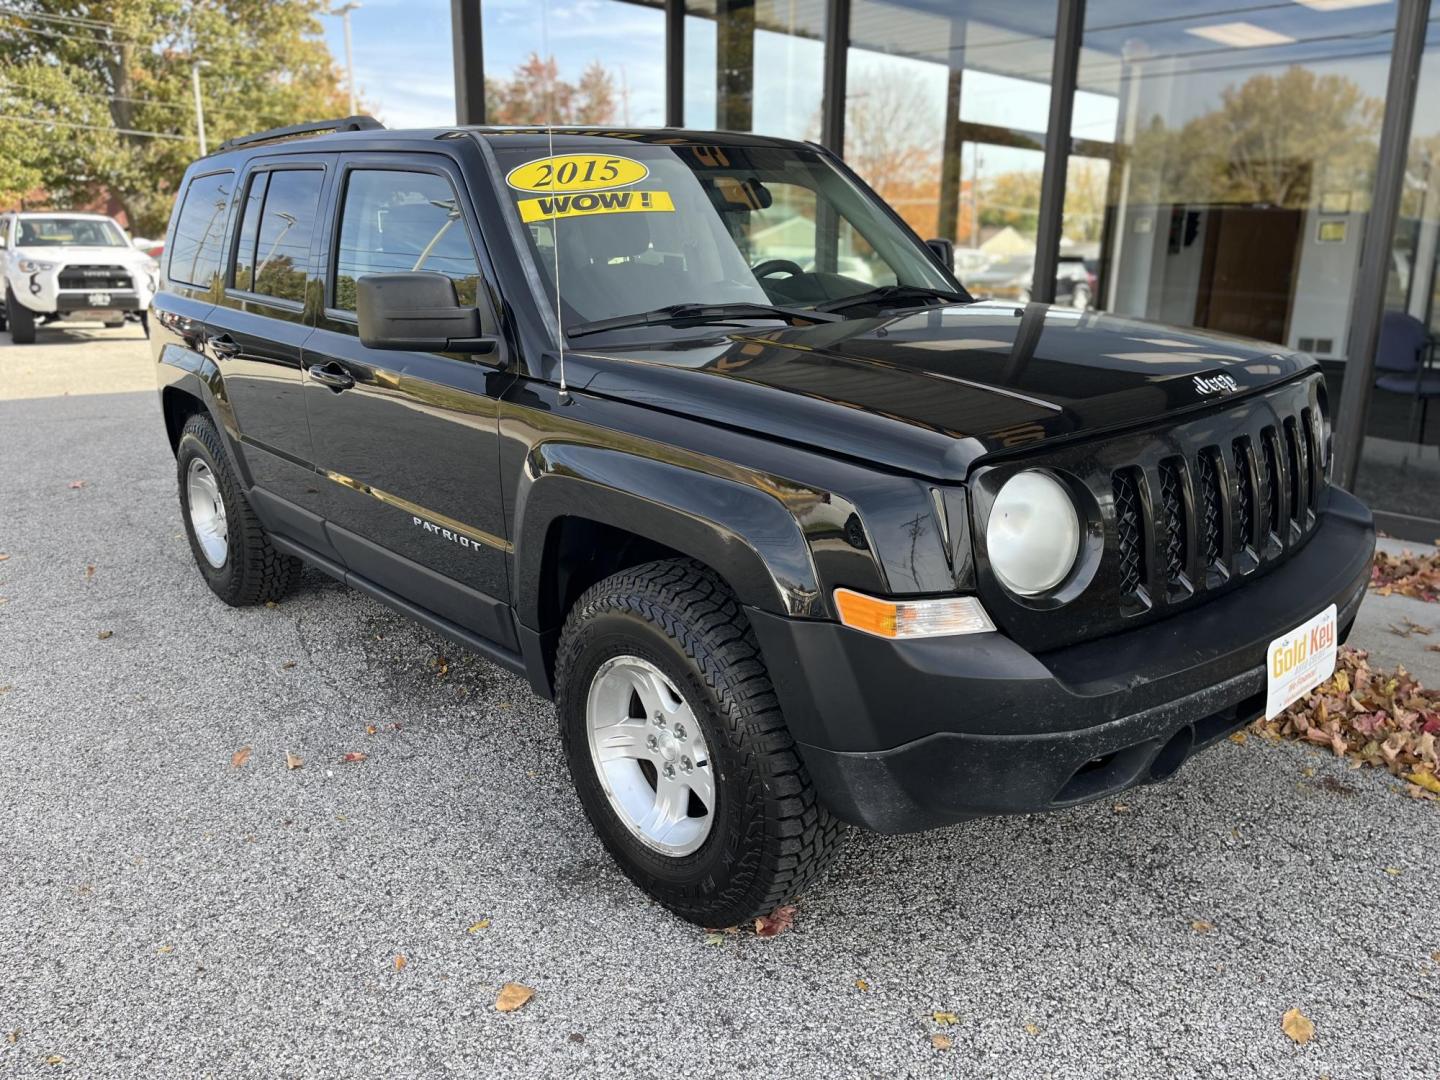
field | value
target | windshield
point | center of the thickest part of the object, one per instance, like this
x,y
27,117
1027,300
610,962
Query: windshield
x,y
66,231
650,226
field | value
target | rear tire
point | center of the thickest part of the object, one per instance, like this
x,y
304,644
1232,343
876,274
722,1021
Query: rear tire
x,y
21,318
767,836
231,548
114,324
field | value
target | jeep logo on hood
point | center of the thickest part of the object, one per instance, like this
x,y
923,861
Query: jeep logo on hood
x,y
1216,384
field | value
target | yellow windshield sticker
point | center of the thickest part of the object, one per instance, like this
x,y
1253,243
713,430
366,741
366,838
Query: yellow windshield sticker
x,y
597,202
577,172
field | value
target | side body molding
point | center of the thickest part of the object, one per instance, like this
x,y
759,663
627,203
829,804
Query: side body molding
x,y
745,532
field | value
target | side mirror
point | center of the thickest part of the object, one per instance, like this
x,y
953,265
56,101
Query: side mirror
x,y
418,311
944,252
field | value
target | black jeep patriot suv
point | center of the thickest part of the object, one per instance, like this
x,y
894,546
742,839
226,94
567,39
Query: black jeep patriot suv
x,y
690,429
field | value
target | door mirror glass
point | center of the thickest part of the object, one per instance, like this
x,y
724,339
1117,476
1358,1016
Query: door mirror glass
x,y
417,310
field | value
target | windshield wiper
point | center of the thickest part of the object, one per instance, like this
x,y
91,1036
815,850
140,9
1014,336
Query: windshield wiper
x,y
886,295
701,313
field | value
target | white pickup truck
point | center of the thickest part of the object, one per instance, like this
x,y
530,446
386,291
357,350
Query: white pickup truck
x,y
71,266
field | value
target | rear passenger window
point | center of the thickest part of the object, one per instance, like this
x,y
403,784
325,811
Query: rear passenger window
x,y
282,241
395,221
195,251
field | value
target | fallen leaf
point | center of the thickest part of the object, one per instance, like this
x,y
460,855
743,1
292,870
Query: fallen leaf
x,y
6,688
1121,808
476,927
3,556
12,1037
861,984
1298,1026
55,1059
777,922
354,757
287,665
576,1037
1435,956
240,757
1032,1029
105,635
1200,926
941,1042
165,950
442,667
512,996
944,1018
271,603
1307,771
400,963
76,485
714,939
293,760
89,571
1428,781
369,729
1237,737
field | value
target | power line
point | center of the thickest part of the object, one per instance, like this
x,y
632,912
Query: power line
x,y
97,127
45,16
104,97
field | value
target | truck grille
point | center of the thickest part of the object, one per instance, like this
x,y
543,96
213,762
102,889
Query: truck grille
x,y
94,277
1188,509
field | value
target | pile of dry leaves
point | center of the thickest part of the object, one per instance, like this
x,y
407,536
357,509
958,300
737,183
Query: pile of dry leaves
x,y
1407,574
1373,717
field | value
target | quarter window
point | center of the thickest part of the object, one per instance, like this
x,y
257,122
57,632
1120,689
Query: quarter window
x,y
282,242
395,221
195,251
244,275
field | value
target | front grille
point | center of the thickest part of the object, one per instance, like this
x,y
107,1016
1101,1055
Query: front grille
x,y
1128,533
1172,508
1211,509
1191,507
94,277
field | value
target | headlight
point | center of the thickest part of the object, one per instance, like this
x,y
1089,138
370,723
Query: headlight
x,y
31,266
1033,535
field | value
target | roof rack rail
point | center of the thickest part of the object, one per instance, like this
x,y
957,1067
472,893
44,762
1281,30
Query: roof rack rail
x,y
349,123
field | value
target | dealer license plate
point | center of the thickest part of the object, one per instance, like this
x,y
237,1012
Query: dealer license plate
x,y
98,299
1299,661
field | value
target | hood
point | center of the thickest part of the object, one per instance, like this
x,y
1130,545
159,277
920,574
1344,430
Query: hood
x,y
934,390
78,255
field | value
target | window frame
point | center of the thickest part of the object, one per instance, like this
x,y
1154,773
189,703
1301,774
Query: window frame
x,y
398,163
270,166
170,275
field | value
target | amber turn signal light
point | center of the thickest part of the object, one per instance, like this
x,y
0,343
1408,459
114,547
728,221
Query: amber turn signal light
x,y
911,618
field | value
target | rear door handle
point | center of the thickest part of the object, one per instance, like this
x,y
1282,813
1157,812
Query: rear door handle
x,y
332,375
224,346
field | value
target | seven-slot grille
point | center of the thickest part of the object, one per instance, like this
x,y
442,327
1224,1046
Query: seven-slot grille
x,y
95,277
1215,512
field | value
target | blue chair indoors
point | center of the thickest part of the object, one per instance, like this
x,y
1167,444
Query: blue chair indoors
x,y
1403,357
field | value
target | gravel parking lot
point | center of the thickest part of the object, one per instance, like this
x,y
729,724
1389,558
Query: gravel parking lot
x,y
164,911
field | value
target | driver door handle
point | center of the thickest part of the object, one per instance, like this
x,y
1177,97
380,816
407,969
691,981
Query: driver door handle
x,y
332,375
224,346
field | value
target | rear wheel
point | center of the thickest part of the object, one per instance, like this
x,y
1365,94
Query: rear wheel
x,y
231,549
114,324
678,749
21,318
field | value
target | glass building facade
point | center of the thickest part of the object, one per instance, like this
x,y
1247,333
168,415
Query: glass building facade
x,y
1213,165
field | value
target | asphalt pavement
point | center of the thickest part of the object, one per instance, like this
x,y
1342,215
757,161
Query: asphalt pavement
x,y
165,911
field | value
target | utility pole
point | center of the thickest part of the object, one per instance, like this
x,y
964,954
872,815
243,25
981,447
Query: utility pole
x,y
344,11
195,66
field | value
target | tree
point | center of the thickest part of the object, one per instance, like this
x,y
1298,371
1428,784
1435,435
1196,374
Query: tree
x,y
890,144
115,71
535,94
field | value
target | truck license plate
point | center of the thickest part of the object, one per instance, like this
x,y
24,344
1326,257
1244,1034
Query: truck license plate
x,y
98,299
1297,662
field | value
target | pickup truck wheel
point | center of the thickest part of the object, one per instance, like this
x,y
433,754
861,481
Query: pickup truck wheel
x,y
678,749
231,549
22,320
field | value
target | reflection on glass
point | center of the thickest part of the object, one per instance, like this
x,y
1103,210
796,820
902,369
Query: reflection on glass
x,y
945,116
755,65
584,62
1237,171
1400,463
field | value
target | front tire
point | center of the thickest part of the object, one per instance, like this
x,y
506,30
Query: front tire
x,y
231,549
22,320
678,749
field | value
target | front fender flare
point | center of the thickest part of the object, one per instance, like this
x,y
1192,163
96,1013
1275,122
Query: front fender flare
x,y
744,533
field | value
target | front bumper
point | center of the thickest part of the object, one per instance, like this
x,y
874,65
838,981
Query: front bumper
x,y
900,736
41,293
